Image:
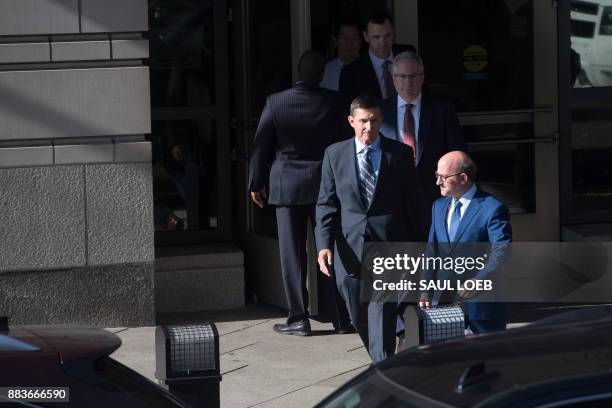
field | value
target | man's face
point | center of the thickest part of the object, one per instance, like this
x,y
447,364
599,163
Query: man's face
x,y
408,78
380,38
348,42
454,186
366,123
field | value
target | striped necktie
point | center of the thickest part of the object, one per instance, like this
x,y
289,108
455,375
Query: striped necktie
x,y
367,177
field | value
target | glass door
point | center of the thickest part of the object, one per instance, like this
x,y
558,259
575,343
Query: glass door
x,y
189,87
497,61
585,93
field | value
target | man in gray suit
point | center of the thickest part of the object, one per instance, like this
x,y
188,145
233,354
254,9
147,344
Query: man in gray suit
x,y
296,126
368,194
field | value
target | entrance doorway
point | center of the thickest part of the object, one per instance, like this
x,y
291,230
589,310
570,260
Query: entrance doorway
x,y
189,106
497,61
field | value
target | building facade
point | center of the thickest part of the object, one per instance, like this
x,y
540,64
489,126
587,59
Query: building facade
x,y
126,129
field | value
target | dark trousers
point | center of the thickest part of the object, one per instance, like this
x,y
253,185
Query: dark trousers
x,y
374,321
292,224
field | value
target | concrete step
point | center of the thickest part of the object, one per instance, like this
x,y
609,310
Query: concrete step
x,y
198,278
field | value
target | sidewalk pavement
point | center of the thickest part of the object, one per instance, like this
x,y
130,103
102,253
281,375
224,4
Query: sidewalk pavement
x,y
260,368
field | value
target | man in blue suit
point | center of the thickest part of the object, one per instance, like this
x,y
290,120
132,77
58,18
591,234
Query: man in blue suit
x,y
467,214
368,193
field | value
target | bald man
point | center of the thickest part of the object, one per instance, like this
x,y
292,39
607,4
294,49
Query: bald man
x,y
467,214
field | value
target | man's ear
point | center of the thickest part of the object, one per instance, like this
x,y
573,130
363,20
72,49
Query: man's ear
x,y
351,120
365,36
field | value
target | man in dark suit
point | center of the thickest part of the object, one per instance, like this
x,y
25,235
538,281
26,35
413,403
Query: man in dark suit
x,y
296,126
367,194
427,124
464,215
371,72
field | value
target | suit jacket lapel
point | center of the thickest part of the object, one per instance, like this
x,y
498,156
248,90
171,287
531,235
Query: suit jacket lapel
x,y
468,217
441,220
425,120
385,158
371,72
350,157
393,114
441,228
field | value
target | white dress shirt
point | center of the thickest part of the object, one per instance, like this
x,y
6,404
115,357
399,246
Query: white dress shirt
x,y
331,77
416,114
374,156
465,201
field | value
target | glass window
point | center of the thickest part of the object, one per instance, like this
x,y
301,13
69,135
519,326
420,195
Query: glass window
x,y
591,43
182,54
483,57
505,170
185,175
270,50
591,156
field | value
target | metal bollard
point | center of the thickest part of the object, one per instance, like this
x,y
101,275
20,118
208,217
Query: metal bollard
x,y
187,362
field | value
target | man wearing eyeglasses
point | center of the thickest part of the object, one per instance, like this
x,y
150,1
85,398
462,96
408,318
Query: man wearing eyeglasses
x,y
429,125
467,214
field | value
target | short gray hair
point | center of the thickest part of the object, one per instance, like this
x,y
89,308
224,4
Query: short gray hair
x,y
408,55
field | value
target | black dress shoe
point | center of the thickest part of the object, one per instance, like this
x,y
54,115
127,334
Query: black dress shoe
x,y
345,329
301,328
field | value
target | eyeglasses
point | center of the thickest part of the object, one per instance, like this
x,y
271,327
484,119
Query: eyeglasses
x,y
410,77
443,177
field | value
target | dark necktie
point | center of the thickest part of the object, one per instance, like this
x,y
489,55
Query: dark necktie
x,y
367,177
455,220
388,87
408,135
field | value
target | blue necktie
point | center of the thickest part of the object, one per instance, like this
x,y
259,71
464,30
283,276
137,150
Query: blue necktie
x,y
367,177
455,220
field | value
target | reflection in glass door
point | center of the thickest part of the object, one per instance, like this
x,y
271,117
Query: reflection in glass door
x,y
188,65
585,89
491,61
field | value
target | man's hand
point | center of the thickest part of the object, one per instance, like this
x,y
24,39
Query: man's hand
x,y
259,197
424,301
466,294
325,261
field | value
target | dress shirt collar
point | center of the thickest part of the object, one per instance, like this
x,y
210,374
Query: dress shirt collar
x,y
416,102
466,197
377,62
359,147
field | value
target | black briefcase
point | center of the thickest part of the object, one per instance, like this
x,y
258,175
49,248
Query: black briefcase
x,y
425,326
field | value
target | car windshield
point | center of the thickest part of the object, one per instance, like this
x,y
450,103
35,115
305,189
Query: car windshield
x,y
374,390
